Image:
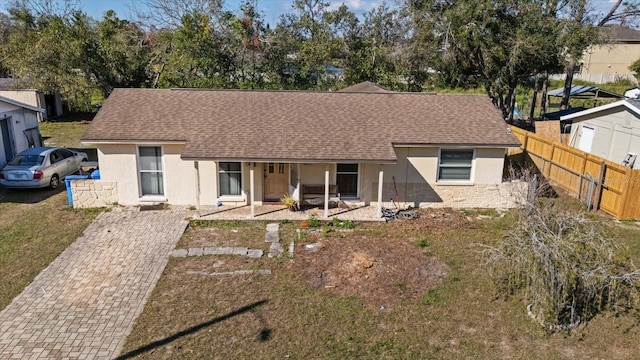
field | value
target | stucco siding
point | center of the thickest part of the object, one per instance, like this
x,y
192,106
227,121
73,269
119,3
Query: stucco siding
x,y
489,166
610,59
415,175
118,164
179,176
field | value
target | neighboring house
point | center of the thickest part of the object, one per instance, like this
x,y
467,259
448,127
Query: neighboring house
x,y
18,128
202,147
52,103
610,131
610,62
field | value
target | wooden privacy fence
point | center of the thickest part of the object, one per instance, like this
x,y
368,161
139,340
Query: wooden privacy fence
x,y
605,185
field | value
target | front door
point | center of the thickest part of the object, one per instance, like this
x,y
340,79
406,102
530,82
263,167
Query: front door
x,y
275,180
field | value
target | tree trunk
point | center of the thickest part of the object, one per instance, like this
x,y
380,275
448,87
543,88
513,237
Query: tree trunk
x,y
534,99
545,88
568,81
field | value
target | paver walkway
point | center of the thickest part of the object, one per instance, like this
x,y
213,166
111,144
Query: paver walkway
x,y
83,305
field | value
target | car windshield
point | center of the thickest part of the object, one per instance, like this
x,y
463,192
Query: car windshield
x,y
26,160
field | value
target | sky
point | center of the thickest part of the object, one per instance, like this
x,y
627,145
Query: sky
x,y
269,9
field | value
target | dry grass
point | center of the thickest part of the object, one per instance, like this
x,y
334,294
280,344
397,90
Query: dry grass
x,y
192,316
35,227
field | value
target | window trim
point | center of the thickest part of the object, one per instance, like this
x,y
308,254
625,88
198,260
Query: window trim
x,y
472,168
229,197
358,173
151,197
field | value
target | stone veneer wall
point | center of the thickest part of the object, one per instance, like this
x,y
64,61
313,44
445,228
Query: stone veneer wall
x,y
93,193
504,195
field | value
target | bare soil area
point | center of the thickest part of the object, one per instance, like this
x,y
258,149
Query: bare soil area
x,y
383,270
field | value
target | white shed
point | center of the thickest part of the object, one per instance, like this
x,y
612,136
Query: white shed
x,y
610,131
51,103
19,128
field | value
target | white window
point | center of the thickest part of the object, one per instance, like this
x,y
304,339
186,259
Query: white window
x,y
455,164
151,171
347,180
230,178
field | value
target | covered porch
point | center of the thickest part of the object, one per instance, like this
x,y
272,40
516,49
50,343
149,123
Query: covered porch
x,y
320,188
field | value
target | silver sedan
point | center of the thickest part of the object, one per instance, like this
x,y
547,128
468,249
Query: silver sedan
x,y
41,167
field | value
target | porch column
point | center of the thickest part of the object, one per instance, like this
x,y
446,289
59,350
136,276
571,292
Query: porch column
x,y
326,191
252,189
197,168
298,176
380,183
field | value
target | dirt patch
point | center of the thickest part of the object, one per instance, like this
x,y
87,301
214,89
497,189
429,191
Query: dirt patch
x,y
384,270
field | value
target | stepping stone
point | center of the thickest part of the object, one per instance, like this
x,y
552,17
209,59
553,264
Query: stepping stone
x,y
272,237
273,227
180,253
239,251
275,250
195,251
255,253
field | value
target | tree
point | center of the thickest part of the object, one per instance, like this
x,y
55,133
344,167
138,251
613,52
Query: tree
x,y
34,55
303,44
497,43
635,67
120,55
249,31
170,13
582,29
375,49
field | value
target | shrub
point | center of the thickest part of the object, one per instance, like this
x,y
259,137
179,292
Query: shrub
x,y
566,264
314,222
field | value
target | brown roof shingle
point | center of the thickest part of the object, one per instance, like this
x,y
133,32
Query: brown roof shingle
x,y
297,125
365,86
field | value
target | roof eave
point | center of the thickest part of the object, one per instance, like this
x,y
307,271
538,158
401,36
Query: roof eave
x,y
594,110
130,142
289,160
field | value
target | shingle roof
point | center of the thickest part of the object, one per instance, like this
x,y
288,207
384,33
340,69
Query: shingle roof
x,y
618,33
296,125
365,86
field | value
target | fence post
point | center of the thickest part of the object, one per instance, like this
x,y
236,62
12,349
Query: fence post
x,y
596,202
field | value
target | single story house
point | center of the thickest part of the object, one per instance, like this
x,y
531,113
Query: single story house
x,y
204,147
18,128
610,131
51,103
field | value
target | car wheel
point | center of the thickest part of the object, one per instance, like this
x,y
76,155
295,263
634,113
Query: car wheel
x,y
54,182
